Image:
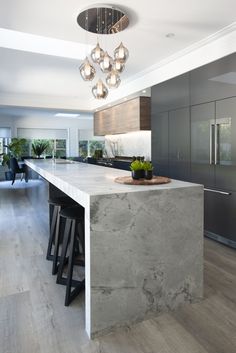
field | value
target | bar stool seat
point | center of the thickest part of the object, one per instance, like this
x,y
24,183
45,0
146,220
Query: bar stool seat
x,y
73,245
57,204
61,201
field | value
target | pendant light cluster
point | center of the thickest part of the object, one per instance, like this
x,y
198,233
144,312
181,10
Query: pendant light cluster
x,y
104,20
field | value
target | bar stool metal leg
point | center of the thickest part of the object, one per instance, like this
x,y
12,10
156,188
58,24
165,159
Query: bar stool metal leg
x,y
78,285
73,241
66,239
56,210
56,246
70,265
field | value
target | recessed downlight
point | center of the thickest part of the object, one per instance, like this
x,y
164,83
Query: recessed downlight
x,y
170,35
144,91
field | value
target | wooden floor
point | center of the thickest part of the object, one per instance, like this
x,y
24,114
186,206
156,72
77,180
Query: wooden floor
x,y
33,318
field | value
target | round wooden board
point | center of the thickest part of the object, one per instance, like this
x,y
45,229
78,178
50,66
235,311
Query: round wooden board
x,y
128,180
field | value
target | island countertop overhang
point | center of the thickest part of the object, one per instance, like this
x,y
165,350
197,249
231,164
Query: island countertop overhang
x,y
91,180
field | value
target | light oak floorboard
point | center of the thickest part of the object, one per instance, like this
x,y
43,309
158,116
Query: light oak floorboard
x,y
33,317
17,332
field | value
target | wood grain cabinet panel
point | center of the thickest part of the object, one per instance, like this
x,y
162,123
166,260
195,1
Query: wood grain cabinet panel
x,y
133,115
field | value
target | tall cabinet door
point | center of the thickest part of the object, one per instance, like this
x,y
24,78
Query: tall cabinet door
x,y
179,144
202,151
225,164
160,144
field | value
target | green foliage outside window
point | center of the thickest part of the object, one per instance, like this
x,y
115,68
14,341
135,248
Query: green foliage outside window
x,y
56,148
83,149
88,148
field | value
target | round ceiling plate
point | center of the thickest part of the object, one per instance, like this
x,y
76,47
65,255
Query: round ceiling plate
x,y
103,20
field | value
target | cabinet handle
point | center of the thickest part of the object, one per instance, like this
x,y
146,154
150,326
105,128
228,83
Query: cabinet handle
x,y
217,137
212,130
218,191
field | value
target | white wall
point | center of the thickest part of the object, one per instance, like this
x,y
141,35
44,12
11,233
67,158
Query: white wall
x,y
50,122
6,122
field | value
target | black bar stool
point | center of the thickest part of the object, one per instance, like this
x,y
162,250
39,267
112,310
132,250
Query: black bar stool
x,y
73,245
57,203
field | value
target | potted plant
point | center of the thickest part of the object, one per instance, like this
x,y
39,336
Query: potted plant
x,y
39,148
14,149
137,169
148,170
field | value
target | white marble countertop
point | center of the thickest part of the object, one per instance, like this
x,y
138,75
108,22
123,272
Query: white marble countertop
x,y
135,261
89,179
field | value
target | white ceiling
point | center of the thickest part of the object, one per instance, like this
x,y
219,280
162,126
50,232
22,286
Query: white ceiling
x,y
32,76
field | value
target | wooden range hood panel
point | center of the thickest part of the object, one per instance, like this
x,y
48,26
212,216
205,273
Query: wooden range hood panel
x,y
133,115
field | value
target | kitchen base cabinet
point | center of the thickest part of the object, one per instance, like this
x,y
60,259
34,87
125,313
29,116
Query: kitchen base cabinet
x,y
219,215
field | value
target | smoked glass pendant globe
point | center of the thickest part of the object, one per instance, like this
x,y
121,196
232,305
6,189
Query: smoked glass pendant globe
x,y
121,53
106,63
118,66
97,54
113,79
87,71
100,91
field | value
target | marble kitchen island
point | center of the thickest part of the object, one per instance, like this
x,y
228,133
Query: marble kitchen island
x,y
143,244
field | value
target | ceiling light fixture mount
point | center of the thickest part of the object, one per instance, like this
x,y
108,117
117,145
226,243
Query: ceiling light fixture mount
x,y
104,20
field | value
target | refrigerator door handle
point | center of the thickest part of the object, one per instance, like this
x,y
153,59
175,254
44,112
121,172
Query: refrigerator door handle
x,y
212,141
218,191
217,143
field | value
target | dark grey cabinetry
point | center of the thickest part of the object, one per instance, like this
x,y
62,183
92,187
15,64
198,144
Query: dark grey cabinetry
x,y
171,94
213,163
225,161
213,144
213,81
194,138
170,127
160,150
219,216
179,144
202,154
171,143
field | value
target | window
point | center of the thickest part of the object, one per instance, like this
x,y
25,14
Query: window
x,y
88,147
94,145
5,139
56,138
60,148
56,147
83,148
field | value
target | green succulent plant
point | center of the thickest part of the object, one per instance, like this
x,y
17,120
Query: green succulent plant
x,y
136,165
147,165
